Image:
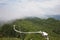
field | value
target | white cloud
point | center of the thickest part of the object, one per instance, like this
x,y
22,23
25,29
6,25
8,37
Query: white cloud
x,y
18,9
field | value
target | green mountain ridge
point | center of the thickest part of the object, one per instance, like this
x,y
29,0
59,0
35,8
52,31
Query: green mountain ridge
x,y
50,25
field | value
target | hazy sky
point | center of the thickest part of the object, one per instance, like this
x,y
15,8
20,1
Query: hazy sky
x,y
12,9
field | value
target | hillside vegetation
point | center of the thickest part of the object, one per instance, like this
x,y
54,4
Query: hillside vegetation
x,y
50,25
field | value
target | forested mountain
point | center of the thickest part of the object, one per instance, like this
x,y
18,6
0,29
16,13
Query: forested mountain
x,y
50,25
55,16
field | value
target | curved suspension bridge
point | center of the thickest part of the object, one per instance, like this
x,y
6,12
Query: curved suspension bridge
x,y
43,33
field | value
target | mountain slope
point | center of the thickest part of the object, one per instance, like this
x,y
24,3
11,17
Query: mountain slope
x,y
50,25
